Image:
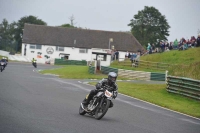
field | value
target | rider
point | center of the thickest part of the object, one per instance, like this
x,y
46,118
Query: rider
x,y
33,60
109,83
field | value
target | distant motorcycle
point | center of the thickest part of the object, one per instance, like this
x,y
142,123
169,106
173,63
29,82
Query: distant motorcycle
x,y
3,64
1,68
99,105
34,64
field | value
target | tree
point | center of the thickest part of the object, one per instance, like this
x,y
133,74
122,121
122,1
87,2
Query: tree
x,y
72,20
149,25
6,36
67,25
20,26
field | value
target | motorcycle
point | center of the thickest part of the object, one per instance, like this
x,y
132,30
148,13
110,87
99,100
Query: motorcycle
x,y
35,64
2,65
1,68
99,104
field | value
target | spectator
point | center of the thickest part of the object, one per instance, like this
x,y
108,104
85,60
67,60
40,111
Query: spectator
x,y
198,41
149,48
166,45
170,46
117,54
133,57
153,48
175,44
192,40
126,55
185,46
129,55
188,43
162,46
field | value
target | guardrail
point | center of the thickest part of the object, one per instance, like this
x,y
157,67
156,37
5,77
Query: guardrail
x,y
146,64
139,75
91,70
106,70
70,62
184,86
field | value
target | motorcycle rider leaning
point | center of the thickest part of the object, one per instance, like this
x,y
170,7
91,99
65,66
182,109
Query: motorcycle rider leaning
x,y
109,83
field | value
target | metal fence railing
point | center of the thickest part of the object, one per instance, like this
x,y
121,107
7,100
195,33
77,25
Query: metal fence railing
x,y
184,86
91,70
70,62
106,70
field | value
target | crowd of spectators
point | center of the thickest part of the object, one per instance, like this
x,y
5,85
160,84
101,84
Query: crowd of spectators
x,y
182,44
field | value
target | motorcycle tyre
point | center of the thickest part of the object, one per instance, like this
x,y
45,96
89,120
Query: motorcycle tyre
x,y
104,111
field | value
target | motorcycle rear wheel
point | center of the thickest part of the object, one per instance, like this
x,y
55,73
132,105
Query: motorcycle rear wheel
x,y
100,112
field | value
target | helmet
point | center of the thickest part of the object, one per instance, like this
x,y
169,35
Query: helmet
x,y
112,77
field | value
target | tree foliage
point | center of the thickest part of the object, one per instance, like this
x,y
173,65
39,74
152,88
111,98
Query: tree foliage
x,y
18,32
67,25
149,25
6,36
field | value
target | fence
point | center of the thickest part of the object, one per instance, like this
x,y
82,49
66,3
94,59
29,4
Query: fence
x,y
106,70
70,62
184,86
91,69
146,64
153,65
140,75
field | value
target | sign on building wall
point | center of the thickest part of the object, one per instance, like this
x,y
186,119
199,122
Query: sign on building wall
x,y
50,50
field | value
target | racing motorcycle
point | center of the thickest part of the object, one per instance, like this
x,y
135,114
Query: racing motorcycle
x,y
2,65
99,104
35,64
1,68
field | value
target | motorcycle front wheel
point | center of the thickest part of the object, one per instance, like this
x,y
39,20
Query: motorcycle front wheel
x,y
101,111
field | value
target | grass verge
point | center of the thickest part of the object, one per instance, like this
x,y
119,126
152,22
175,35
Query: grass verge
x,y
157,94
153,93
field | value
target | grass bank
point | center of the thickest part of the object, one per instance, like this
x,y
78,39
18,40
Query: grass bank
x,y
182,63
157,94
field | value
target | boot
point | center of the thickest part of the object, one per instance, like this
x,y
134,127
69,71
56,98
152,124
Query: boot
x,y
87,100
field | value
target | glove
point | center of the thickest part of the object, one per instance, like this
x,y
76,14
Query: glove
x,y
114,95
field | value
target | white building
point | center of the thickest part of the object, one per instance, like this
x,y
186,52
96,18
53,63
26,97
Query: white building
x,y
46,43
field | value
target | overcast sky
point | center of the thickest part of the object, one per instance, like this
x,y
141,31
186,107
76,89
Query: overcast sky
x,y
110,15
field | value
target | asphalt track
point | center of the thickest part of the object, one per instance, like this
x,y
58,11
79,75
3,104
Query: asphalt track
x,y
34,103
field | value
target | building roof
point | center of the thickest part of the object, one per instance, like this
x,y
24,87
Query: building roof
x,y
80,38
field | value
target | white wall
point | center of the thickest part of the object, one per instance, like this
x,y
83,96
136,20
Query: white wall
x,y
73,54
4,53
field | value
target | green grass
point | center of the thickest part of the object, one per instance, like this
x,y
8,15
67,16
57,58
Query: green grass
x,y
75,72
157,94
183,63
185,57
152,93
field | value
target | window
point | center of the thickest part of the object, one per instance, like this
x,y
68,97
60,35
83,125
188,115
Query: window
x,y
35,46
38,46
83,50
32,46
59,48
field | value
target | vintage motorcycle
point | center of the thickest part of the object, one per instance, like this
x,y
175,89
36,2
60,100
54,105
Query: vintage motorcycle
x,y
99,104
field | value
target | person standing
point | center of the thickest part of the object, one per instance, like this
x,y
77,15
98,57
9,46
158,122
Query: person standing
x,y
198,41
175,44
